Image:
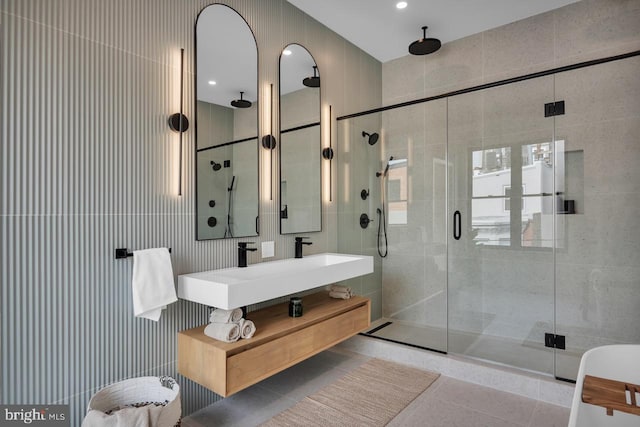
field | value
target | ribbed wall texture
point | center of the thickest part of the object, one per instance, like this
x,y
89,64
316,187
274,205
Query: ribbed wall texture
x,y
88,165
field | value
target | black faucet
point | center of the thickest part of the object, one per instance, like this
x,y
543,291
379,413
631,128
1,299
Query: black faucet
x,y
299,244
242,253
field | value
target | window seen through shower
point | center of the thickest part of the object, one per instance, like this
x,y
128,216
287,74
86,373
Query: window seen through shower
x,y
512,198
398,190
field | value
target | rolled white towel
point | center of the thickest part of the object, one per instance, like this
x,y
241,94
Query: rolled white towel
x,y
338,288
220,315
247,328
339,295
227,332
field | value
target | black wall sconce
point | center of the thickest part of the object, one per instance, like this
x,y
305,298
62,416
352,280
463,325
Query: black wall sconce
x,y
178,122
327,153
269,142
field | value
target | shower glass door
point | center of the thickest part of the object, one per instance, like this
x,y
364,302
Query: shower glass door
x,y
501,224
414,298
598,249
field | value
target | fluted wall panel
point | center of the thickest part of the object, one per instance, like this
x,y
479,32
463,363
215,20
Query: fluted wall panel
x,y
88,165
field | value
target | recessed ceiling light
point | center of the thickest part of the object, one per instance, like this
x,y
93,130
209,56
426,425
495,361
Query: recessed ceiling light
x,y
286,52
212,82
401,5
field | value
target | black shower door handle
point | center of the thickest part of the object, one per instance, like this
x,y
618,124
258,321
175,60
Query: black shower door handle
x,y
457,225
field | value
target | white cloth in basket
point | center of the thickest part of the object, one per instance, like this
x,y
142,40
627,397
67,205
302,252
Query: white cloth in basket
x,y
144,416
152,283
129,395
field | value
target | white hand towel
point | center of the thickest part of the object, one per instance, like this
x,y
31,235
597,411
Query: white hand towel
x,y
126,417
339,295
152,283
227,332
338,288
220,315
247,328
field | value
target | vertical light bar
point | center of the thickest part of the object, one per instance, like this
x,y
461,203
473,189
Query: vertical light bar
x,y
180,130
271,150
331,159
267,142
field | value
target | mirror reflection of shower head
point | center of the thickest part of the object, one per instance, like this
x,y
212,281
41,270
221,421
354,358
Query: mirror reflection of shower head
x,y
425,45
241,103
373,137
216,166
312,81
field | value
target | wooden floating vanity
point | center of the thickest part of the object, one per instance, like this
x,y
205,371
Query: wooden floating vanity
x,y
280,341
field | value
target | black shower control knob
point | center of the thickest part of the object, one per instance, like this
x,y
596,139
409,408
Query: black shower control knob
x,y
212,221
212,203
364,220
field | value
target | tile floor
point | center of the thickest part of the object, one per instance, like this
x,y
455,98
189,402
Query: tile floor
x,y
525,353
447,403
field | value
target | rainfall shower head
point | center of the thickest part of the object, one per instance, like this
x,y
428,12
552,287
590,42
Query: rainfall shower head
x,y
373,137
241,103
425,45
216,166
312,81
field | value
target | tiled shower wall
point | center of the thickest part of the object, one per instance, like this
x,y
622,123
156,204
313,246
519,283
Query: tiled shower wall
x,y
596,285
585,30
88,164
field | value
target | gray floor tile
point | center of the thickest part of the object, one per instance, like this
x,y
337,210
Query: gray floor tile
x,y
298,381
438,413
515,409
547,415
190,422
250,407
344,359
447,403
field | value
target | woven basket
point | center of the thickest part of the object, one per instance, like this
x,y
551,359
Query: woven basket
x,y
139,392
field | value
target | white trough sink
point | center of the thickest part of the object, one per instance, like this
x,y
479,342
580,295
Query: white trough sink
x,y
236,287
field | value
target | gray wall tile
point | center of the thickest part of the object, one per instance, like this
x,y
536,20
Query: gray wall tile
x,y
89,165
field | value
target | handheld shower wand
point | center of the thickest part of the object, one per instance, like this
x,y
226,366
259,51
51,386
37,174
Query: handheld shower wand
x,y
382,215
228,232
386,169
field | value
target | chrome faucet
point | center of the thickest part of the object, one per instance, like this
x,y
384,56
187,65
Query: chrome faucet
x,y
242,253
299,244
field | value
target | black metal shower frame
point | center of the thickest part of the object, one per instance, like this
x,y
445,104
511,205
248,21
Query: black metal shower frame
x,y
496,84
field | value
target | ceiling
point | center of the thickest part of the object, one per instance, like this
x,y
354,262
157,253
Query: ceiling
x,y
376,26
385,32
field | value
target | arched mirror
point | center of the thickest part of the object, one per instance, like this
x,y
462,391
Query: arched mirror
x,y
300,183
226,126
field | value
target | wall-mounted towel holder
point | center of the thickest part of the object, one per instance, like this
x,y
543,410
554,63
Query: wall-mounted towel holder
x,y
122,253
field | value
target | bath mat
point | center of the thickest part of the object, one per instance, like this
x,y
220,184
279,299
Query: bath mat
x,y
370,395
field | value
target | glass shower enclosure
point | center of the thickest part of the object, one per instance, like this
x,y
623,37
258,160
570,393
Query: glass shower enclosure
x,y
510,217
